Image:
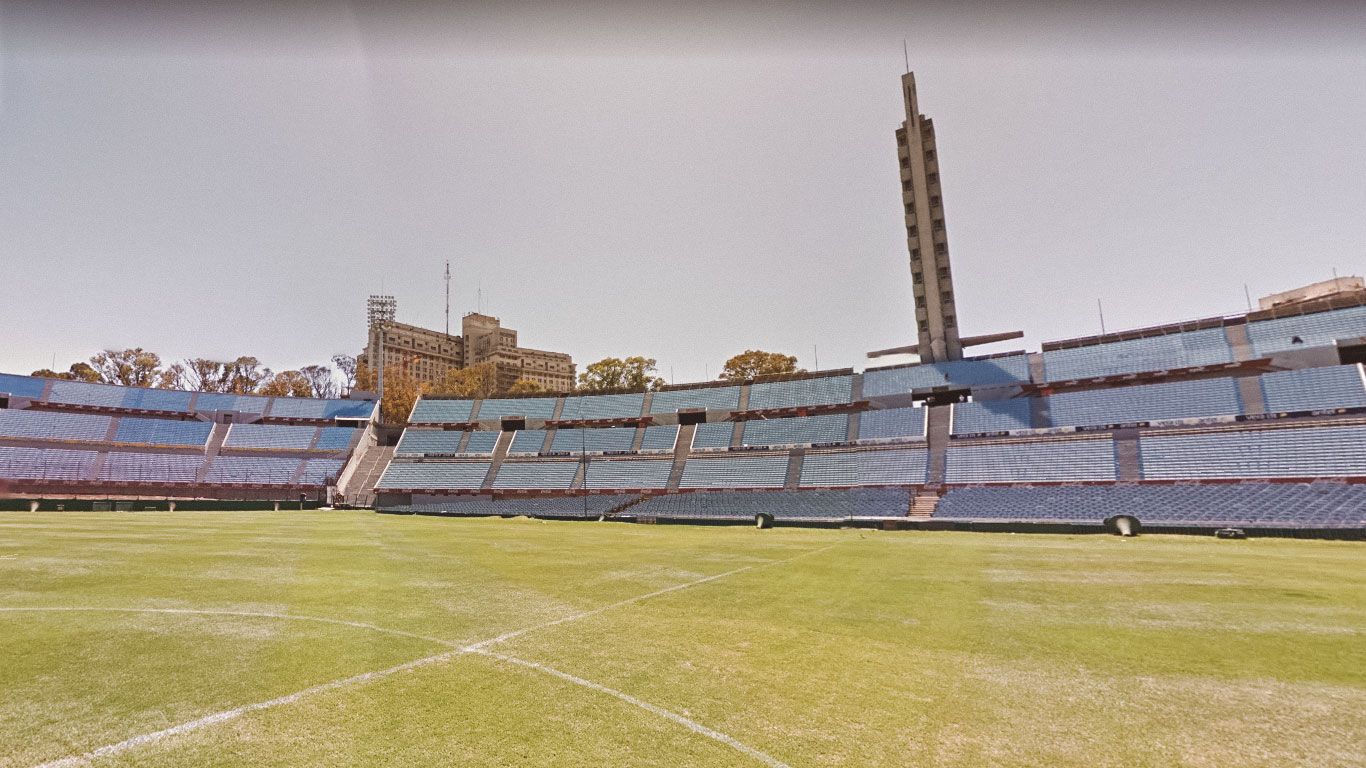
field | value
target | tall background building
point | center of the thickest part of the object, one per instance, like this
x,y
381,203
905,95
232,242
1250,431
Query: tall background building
x,y
429,355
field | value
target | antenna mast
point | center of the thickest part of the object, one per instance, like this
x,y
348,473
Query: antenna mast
x,y
448,297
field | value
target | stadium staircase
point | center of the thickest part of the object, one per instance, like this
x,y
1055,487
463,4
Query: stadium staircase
x,y
940,422
216,438
685,437
924,504
1127,465
369,468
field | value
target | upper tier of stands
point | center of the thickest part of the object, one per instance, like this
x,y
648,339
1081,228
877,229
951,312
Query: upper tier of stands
x,y
107,396
1208,346
961,373
1318,329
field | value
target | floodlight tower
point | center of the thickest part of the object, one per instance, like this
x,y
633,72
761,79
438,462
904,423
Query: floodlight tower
x,y
380,310
448,297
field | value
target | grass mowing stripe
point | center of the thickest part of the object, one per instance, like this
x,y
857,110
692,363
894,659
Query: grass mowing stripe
x,y
475,648
667,714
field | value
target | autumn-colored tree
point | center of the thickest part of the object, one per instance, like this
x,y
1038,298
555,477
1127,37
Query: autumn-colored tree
x,y
525,387
753,363
173,376
401,391
615,373
287,384
245,375
367,379
130,367
321,382
476,381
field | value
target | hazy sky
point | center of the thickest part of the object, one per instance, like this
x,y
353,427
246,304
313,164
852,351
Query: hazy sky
x,y
682,181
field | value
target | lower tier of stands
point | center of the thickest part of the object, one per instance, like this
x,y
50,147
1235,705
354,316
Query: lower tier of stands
x,y
1270,505
85,466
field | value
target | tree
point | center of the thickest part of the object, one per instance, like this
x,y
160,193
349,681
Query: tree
x,y
525,387
245,375
476,381
204,375
77,372
346,364
287,384
615,373
172,376
753,363
321,382
130,367
401,390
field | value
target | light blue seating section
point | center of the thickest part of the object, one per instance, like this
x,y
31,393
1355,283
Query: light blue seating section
x,y
313,408
892,423
1247,505
603,406
592,505
628,473
82,393
321,471
150,467
989,416
46,463
423,441
335,439
530,407
482,442
826,390
659,438
958,373
170,400
601,440
800,430
542,475
781,505
162,431
1319,329
1060,461
1314,389
1158,353
735,472
217,401
434,476
281,437
527,442
255,470
710,398
715,434
1148,402
22,386
1336,451
442,411
49,425
901,466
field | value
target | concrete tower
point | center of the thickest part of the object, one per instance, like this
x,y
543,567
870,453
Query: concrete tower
x,y
926,237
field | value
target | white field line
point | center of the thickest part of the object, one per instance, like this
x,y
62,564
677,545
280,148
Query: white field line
x,y
667,714
480,647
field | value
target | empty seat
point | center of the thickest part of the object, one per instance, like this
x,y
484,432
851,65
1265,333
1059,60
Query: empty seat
x,y
713,435
603,406
544,475
787,394
48,425
1187,349
902,466
529,407
150,467
527,442
659,438
1042,461
442,411
1314,389
1199,398
610,439
628,473
133,429
958,373
436,441
46,463
270,436
992,416
800,430
434,476
22,386
892,423
735,472
710,398
1302,331
1330,451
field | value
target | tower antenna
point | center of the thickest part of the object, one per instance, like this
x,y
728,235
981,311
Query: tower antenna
x,y
906,52
448,297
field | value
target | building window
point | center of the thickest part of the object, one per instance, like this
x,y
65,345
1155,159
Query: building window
x,y
938,225
929,155
905,162
943,273
935,202
913,230
940,249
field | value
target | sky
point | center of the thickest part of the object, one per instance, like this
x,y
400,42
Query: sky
x,y
683,181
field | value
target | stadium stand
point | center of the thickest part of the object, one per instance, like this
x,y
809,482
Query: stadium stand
x,y
529,407
851,468
713,435
709,398
1040,461
1186,349
735,472
1324,451
527,441
659,438
588,407
442,411
825,390
1150,402
1272,505
275,437
992,416
1300,331
876,503
628,474
22,386
154,468
419,442
960,373
1313,389
47,425
133,429
46,463
434,476
803,430
892,424
536,475
607,440
528,506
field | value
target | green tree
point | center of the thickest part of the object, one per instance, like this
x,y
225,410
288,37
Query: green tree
x,y
130,367
77,372
245,375
635,373
753,363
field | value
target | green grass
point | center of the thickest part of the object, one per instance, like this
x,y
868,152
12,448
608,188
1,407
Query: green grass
x,y
828,648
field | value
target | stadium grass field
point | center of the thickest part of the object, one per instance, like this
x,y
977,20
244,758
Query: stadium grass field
x,y
182,639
